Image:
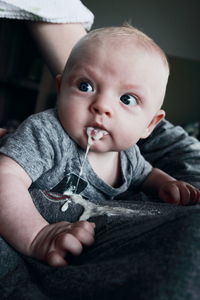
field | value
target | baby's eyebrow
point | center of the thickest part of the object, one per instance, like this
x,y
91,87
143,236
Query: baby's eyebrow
x,y
138,89
84,70
131,87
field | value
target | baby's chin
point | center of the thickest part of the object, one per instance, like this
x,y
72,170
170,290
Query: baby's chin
x,y
103,148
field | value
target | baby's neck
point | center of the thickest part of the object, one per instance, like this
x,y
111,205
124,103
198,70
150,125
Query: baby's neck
x,y
106,166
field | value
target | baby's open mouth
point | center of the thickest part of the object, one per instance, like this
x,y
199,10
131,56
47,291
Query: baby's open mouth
x,y
95,134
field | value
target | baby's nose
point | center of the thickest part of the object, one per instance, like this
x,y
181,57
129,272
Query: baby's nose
x,y
102,106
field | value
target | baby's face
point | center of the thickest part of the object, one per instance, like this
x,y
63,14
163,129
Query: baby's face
x,y
117,89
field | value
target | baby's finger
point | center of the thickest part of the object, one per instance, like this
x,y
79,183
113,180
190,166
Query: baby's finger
x,y
56,259
170,193
185,194
85,237
66,242
198,196
195,196
89,226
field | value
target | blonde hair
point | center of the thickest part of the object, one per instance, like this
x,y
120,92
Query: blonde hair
x,y
126,30
101,35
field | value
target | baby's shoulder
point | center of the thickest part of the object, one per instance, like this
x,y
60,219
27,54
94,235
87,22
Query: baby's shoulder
x,y
45,122
46,117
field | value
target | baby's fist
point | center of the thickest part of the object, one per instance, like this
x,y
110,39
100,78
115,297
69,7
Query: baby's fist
x,y
55,241
179,192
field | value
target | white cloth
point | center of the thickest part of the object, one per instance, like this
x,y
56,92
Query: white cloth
x,y
53,11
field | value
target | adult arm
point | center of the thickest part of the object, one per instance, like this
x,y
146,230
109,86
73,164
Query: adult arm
x,y
56,41
56,27
170,149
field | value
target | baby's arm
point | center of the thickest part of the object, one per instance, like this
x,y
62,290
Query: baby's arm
x,y
26,230
171,190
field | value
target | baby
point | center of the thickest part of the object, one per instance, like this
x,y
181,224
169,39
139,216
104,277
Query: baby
x,y
114,83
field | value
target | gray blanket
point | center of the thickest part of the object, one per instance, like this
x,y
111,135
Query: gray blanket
x,y
144,249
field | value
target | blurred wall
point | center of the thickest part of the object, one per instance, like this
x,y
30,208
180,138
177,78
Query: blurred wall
x,y
175,26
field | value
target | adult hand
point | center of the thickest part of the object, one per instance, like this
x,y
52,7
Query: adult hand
x,y
55,241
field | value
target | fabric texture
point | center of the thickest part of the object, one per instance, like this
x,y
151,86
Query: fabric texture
x,y
171,149
152,253
53,11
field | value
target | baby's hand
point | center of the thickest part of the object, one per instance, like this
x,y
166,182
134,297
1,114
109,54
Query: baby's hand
x,y
55,241
179,192
3,131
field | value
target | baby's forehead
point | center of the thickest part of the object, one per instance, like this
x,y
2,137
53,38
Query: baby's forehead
x,y
111,45
116,47
112,41
96,47
107,41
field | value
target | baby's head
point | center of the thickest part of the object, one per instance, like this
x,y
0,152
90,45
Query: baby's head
x,y
115,80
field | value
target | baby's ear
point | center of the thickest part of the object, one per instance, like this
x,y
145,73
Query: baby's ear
x,y
58,82
156,119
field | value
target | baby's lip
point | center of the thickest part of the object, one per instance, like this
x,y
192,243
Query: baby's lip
x,y
96,133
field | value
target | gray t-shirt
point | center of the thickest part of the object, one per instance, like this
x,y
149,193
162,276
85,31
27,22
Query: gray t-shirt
x,y
53,160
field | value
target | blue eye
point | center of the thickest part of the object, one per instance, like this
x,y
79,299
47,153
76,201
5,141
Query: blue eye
x,y
85,87
129,100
